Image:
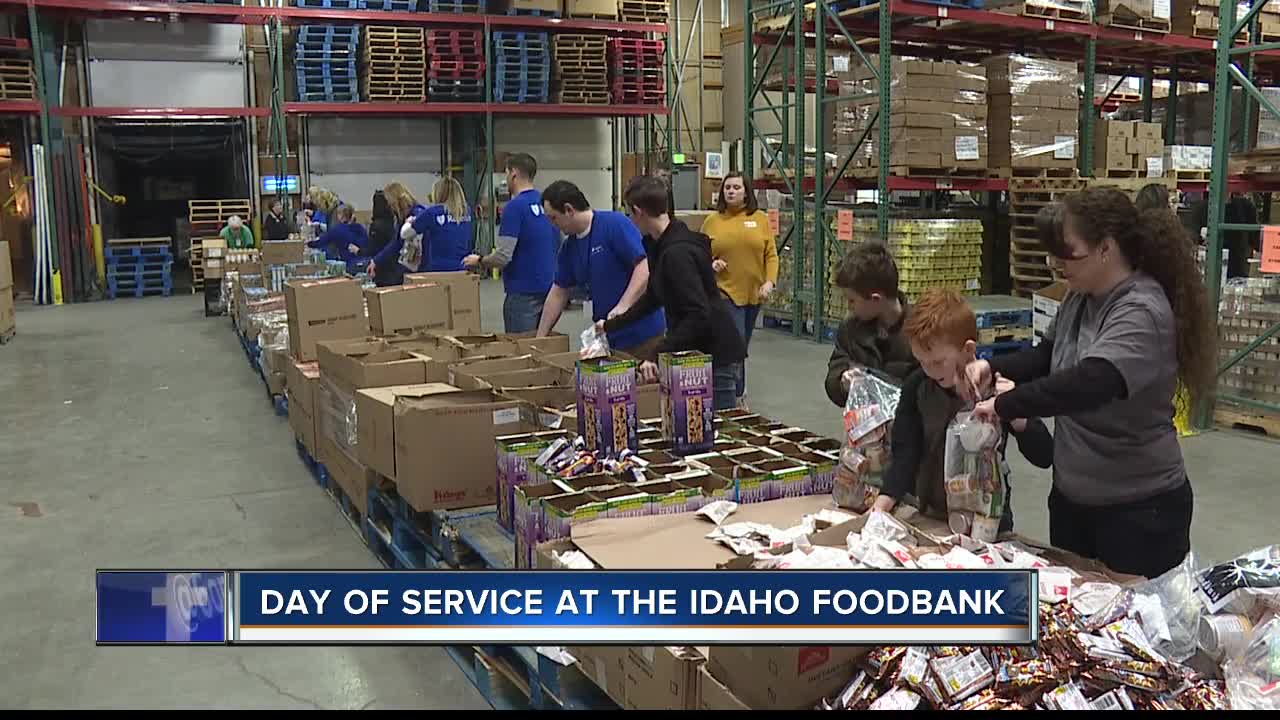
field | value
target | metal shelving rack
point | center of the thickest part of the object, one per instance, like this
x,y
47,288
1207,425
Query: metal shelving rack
x,y
479,116
873,33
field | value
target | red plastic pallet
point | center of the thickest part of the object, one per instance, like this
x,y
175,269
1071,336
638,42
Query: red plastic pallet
x,y
638,43
456,70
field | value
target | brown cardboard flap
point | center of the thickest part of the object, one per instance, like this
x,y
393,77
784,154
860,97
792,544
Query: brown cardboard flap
x,y
680,540
375,413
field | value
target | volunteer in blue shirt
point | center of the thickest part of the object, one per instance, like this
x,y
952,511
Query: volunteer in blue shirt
x,y
525,250
344,239
604,252
445,228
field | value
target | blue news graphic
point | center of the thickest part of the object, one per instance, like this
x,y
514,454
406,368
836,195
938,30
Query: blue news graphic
x,y
161,607
719,606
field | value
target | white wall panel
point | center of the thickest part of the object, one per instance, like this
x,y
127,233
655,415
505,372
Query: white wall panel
x,y
353,157
136,64
573,149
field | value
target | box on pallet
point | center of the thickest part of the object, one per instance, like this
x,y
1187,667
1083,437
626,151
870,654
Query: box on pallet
x,y
1033,112
607,412
547,6
515,452
445,452
355,364
1045,304
300,381
591,8
282,252
466,373
784,678
548,406
661,677
688,401
1129,145
408,308
354,479
464,297
375,422
330,309
526,514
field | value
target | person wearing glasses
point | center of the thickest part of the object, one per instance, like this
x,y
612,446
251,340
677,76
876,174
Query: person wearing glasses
x,y
1135,322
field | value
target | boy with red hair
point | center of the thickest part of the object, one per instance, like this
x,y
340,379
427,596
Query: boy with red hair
x,y
943,332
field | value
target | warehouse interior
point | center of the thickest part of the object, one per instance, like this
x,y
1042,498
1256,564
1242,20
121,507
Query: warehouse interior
x,y
137,438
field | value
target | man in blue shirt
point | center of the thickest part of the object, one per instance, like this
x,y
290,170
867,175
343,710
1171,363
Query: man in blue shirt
x,y
604,252
525,249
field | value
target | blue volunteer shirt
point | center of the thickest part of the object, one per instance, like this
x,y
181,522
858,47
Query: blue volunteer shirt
x,y
533,264
446,239
603,261
391,252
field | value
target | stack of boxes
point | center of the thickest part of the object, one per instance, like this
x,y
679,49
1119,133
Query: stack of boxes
x,y
1193,162
1250,306
1128,148
1199,18
931,253
938,115
1033,112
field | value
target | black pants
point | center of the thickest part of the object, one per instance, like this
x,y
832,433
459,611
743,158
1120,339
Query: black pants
x,y
1147,538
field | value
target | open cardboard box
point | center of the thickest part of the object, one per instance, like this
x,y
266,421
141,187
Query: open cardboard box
x,y
355,364
375,418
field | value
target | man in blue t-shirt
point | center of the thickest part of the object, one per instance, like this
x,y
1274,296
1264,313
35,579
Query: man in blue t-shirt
x,y
605,253
525,249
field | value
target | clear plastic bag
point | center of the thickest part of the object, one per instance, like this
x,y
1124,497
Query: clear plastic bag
x,y
851,489
972,473
594,344
1237,585
870,405
1253,677
1176,592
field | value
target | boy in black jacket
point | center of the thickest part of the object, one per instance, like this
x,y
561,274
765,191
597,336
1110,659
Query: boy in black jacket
x,y
943,332
682,283
871,336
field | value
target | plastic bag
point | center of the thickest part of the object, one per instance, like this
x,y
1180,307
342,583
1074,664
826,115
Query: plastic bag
x,y
972,474
1253,677
871,404
1237,585
1175,592
851,489
594,344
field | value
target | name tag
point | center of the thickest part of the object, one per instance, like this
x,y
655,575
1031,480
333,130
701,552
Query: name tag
x,y
749,223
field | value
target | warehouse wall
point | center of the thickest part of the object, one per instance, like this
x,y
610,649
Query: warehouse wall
x,y
573,149
355,156
182,64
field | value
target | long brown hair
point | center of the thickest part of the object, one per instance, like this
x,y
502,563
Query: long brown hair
x,y
749,196
1154,242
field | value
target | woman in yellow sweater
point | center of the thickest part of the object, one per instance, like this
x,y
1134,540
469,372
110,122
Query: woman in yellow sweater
x,y
745,256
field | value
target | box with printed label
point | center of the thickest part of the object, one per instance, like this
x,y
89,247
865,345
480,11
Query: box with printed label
x,y
330,309
688,404
607,411
464,297
445,452
784,678
514,455
375,422
407,308
527,515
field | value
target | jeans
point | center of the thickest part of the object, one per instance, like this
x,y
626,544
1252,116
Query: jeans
x,y
744,316
521,312
724,382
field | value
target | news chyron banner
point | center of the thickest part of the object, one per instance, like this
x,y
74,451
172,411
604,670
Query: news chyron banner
x,y
581,607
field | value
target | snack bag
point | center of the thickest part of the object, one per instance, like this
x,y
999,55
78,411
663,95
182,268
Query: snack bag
x,y
594,344
851,489
974,476
868,418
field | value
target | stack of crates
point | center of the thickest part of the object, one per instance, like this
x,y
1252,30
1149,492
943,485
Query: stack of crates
x,y
1004,324
932,252
456,65
639,71
456,6
325,60
522,67
581,66
395,64
138,266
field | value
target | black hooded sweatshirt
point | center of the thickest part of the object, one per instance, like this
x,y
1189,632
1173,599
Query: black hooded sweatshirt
x,y
382,230
682,283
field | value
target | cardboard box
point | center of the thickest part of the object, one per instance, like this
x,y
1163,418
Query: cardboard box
x,y
6,266
275,380
301,378
354,479
662,678
408,308
527,516
214,268
607,411
301,421
355,364
481,345
549,345
591,8
688,406
713,695
330,309
375,418
784,678
535,377
445,453
1044,307
283,252
464,297
548,406
606,666
515,455
468,371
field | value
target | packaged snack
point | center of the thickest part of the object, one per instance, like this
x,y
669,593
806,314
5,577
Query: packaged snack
x,y
973,474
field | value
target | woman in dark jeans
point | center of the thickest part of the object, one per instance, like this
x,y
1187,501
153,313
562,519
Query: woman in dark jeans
x,y
383,229
1135,322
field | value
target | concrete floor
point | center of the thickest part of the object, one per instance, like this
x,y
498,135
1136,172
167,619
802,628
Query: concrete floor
x,y
135,435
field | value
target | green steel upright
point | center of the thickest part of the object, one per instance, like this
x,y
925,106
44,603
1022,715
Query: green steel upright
x,y
1226,74
278,132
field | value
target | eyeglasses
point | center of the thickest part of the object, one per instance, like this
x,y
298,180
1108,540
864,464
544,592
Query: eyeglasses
x,y
1069,258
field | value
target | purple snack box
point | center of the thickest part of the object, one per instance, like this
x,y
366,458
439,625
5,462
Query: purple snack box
x,y
608,417
688,401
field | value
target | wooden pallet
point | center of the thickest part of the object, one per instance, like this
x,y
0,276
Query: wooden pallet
x,y
1190,175
1036,172
1122,17
1123,173
907,171
1251,420
140,242
577,41
393,32
643,11
570,97
217,210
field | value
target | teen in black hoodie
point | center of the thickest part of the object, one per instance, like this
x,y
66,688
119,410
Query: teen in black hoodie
x,y
382,230
682,283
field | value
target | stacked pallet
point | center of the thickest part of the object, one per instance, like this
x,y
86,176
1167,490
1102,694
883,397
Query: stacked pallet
x,y
1028,260
17,79
643,11
639,73
1033,114
138,267
1128,149
522,67
395,64
1068,10
456,65
1199,18
1144,15
1004,324
938,118
534,8
207,218
581,69
325,61
456,6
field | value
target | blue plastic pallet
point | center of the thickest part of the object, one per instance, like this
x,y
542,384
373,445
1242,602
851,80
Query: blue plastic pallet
x,y
316,85
329,97
998,318
339,72
330,4
521,96
390,5
113,293
986,352
456,6
520,36
112,252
